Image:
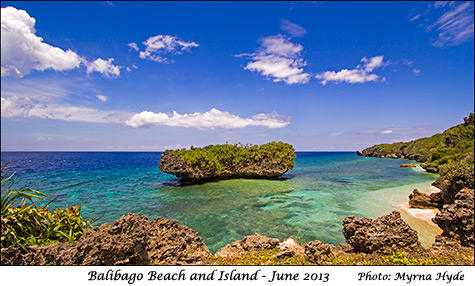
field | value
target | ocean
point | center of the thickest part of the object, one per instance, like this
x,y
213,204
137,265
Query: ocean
x,y
309,203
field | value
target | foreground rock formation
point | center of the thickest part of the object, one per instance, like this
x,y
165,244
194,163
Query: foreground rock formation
x,y
197,165
133,240
383,235
456,220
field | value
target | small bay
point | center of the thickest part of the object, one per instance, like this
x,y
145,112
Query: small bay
x,y
309,203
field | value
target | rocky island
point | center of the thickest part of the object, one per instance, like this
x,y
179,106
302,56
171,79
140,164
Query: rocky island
x,y
218,162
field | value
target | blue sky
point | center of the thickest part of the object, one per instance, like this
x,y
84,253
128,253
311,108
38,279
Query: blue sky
x,y
148,76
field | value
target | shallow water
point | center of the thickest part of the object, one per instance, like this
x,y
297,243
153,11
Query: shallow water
x,y
322,189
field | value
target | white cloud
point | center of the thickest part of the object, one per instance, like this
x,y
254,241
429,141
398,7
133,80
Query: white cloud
x,y
360,74
21,107
440,4
279,59
293,29
455,26
42,138
208,120
158,45
416,71
371,64
412,19
388,131
104,67
133,46
22,50
101,97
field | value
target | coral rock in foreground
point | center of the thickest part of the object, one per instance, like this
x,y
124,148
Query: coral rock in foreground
x,y
456,220
133,240
383,235
268,161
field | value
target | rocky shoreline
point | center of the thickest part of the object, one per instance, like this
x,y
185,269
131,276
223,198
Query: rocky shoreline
x,y
135,240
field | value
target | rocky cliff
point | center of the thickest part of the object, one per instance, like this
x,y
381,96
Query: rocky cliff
x,y
217,162
453,145
451,154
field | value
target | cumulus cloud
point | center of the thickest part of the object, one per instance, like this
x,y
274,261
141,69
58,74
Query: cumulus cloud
x,y
101,97
20,107
279,59
361,74
416,71
293,29
389,131
106,68
157,46
23,51
208,120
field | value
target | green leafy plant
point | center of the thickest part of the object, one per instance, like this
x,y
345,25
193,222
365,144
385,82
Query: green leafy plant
x,y
25,223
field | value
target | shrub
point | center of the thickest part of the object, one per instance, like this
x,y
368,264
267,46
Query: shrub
x,y
215,158
24,223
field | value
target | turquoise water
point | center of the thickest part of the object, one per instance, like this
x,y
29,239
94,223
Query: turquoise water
x,y
309,203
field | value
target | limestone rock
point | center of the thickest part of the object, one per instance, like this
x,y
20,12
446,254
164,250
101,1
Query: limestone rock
x,y
410,165
291,247
170,243
383,235
430,168
423,201
12,256
456,220
122,244
133,240
246,245
317,251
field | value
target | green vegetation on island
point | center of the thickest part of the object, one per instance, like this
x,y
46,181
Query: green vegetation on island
x,y
218,162
218,157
